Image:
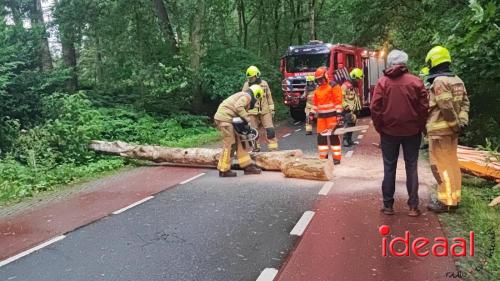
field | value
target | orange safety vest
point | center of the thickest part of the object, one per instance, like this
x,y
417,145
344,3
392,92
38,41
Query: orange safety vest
x,y
327,102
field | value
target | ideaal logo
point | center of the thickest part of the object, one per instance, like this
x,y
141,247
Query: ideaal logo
x,y
423,246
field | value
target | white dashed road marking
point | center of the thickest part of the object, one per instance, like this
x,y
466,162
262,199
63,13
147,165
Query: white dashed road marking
x,y
349,153
298,130
286,135
364,131
268,274
132,205
301,225
193,178
326,188
360,137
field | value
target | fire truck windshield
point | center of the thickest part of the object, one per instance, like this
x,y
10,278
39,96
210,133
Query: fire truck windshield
x,y
306,63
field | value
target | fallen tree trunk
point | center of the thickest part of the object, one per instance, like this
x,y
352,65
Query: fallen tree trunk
x,y
478,163
304,168
308,168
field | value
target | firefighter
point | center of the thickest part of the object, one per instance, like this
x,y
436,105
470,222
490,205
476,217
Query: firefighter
x,y
234,106
424,74
327,103
448,116
308,95
263,113
350,103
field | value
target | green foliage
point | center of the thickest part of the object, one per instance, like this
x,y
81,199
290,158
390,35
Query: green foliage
x,y
18,181
224,71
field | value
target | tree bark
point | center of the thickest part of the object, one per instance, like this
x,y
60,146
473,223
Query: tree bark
x,y
308,168
16,12
37,22
312,32
165,25
67,38
479,163
69,57
195,38
290,162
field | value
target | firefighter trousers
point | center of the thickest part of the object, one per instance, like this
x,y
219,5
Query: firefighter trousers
x,y
231,144
265,120
334,147
323,124
445,168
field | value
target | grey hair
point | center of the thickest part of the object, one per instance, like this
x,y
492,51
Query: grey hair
x,y
397,57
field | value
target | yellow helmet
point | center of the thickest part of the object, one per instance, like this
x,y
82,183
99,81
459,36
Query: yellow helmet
x,y
253,71
309,78
257,91
356,73
424,71
437,55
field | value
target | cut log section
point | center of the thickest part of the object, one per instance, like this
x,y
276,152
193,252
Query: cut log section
x,y
479,163
308,168
304,168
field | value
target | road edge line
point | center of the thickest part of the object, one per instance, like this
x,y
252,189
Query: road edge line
x,y
132,205
32,250
192,178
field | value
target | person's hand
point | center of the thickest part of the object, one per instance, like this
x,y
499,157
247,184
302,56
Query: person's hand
x,y
311,116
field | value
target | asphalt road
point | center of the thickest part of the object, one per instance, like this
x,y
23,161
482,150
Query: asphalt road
x,y
208,229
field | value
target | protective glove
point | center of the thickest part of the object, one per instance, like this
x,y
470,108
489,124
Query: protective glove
x,y
311,116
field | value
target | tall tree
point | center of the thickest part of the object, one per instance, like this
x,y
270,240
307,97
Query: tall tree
x,y
15,12
312,21
166,25
36,16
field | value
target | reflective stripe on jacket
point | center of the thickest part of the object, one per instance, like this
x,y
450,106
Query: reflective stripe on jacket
x,y
327,101
448,106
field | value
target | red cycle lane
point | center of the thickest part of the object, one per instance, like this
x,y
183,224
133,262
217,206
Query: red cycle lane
x,y
343,242
32,227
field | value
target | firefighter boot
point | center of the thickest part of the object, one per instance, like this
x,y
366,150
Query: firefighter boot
x,y
252,170
227,174
336,162
438,207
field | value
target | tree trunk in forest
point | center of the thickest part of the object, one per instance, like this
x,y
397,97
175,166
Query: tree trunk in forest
x,y
16,12
166,26
67,38
290,162
300,40
69,58
312,32
195,38
37,22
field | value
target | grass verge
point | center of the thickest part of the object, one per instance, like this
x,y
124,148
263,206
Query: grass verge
x,y
475,215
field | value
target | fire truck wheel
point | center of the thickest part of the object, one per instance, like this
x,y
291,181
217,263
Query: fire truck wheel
x,y
298,114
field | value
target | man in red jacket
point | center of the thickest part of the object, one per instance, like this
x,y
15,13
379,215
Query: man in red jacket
x,y
399,113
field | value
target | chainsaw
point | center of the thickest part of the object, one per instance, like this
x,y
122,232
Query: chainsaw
x,y
248,135
341,131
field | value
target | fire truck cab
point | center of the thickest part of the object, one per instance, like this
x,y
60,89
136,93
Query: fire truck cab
x,y
340,59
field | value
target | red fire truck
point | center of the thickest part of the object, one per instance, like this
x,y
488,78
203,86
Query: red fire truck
x,y
340,59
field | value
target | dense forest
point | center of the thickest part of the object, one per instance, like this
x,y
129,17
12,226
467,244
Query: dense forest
x,y
153,71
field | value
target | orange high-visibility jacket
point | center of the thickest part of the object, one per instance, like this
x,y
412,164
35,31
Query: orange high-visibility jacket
x,y
327,101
